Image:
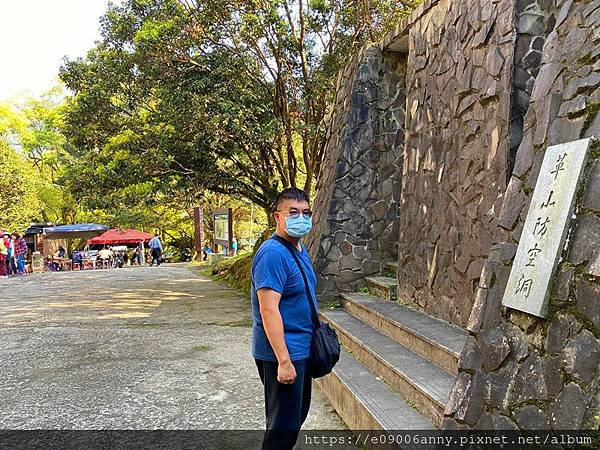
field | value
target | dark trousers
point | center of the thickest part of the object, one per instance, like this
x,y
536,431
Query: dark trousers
x,y
11,266
286,405
156,253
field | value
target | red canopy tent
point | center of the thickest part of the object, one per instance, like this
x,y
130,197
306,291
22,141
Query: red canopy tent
x,y
116,236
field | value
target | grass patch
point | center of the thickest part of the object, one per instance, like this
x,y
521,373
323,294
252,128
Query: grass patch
x,y
234,272
365,290
332,305
201,348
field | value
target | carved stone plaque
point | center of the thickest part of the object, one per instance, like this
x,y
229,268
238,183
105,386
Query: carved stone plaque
x,y
545,228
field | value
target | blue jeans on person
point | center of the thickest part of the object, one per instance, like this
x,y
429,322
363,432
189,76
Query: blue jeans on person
x,y
20,264
11,265
286,405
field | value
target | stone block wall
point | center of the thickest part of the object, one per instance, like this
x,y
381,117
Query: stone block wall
x,y
359,191
517,370
460,60
535,20
333,149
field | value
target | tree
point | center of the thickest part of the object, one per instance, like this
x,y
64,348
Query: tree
x,y
31,127
300,45
19,204
228,96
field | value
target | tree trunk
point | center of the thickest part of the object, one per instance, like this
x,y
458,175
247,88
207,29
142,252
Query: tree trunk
x,y
270,219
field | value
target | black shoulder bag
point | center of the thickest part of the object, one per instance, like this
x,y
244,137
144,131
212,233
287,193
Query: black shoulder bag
x,y
325,347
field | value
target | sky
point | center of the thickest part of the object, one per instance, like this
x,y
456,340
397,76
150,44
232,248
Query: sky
x,y
35,36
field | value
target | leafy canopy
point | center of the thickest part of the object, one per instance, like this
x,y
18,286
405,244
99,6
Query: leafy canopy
x,y
228,96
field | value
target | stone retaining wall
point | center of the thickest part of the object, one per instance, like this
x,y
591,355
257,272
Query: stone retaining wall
x,y
535,20
517,370
457,144
359,192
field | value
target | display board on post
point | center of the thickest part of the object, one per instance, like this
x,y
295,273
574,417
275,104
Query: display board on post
x,y
223,226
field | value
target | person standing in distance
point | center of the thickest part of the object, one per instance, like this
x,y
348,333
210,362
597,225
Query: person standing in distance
x,y
156,248
282,323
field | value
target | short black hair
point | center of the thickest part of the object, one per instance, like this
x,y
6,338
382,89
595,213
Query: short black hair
x,y
292,193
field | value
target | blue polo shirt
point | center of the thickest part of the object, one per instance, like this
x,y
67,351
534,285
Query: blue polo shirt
x,y
274,268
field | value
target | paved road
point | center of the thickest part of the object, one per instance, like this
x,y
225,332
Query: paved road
x,y
135,348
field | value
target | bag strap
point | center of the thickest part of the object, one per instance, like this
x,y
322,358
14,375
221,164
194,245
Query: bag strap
x,y
309,297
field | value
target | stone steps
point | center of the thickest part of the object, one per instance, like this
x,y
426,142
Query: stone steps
x,y
431,338
366,403
392,267
398,358
384,287
419,381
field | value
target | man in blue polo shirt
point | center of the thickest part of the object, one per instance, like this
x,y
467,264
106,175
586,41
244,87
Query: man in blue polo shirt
x,y
282,324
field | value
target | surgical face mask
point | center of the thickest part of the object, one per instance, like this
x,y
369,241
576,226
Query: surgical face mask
x,y
298,227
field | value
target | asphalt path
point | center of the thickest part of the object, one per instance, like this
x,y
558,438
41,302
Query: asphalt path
x,y
134,348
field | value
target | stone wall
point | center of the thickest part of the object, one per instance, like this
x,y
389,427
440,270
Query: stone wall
x,y
358,195
333,149
535,20
460,58
517,370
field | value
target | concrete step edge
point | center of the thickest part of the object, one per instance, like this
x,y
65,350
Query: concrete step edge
x,y
384,282
383,287
364,390
455,353
416,390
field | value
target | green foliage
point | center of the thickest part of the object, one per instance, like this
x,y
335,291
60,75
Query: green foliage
x,y
19,203
150,124
332,305
30,129
226,96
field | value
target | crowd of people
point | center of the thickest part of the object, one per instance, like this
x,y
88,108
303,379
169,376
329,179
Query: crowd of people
x,y
13,254
106,257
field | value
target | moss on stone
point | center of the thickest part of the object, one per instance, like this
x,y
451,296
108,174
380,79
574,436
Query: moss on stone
x,y
588,60
594,152
590,112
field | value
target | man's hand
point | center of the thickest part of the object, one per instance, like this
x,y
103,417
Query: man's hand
x,y
286,372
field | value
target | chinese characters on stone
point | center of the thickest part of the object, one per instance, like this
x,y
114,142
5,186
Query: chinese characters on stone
x,y
524,284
